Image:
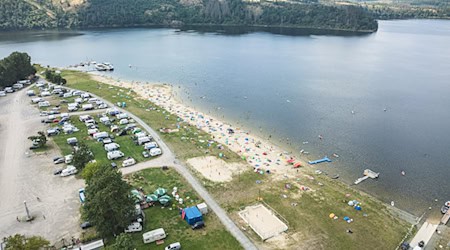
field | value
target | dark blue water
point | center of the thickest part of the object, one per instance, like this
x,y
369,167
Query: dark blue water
x,y
298,87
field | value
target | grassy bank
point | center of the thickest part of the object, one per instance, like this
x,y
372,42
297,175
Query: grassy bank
x,y
213,236
187,143
306,212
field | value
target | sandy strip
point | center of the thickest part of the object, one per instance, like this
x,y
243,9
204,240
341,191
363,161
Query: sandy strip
x,y
258,152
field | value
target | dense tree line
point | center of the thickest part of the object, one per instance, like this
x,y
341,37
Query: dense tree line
x,y
15,67
54,77
20,14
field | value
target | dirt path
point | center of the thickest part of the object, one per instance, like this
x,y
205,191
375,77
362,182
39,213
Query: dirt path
x,y
25,176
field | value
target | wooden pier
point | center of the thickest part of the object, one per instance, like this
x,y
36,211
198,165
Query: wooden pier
x,y
446,217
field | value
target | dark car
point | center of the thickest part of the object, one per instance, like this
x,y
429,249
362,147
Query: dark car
x,y
47,121
86,225
58,171
198,225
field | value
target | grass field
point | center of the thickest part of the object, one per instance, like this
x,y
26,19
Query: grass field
x,y
127,145
213,236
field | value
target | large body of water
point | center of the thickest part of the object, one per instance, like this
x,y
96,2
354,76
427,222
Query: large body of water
x,y
299,87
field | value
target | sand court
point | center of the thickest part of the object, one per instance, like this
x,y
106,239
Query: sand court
x,y
216,169
263,221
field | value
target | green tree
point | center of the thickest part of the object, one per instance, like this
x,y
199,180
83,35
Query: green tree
x,y
41,139
17,66
90,170
20,242
109,205
82,156
123,242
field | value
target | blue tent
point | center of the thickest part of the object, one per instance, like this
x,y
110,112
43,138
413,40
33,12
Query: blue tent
x,y
192,215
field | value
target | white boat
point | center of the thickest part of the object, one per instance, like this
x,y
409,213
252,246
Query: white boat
x,y
104,67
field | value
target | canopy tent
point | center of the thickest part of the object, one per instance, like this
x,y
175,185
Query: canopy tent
x,y
152,197
160,191
164,199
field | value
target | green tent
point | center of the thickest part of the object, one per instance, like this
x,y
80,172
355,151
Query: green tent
x,y
164,199
160,191
137,196
152,197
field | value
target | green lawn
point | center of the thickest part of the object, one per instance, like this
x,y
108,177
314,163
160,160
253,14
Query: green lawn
x,y
213,236
127,146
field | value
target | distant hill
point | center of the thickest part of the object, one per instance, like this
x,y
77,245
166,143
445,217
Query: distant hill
x,y
66,14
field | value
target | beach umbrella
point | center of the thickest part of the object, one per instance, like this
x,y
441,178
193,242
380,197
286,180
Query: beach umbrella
x,y
332,216
152,197
160,191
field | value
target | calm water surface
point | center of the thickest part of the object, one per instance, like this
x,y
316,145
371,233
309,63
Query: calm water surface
x,y
299,87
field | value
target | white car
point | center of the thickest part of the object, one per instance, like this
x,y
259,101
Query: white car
x,y
70,170
2,93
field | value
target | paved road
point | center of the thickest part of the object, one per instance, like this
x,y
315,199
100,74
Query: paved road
x,y
168,158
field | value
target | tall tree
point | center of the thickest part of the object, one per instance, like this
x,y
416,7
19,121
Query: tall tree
x,y
123,242
82,156
109,205
17,66
20,242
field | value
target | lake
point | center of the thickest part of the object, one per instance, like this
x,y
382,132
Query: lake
x,y
380,101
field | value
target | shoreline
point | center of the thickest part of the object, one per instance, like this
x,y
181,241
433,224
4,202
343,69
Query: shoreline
x,y
162,95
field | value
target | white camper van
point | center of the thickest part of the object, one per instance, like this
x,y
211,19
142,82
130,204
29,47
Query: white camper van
x,y
134,227
143,140
155,151
70,170
116,154
128,162
111,147
100,135
154,235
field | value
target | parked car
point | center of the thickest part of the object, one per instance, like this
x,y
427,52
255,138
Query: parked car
x,y
145,154
2,93
59,160
85,225
173,246
113,165
198,225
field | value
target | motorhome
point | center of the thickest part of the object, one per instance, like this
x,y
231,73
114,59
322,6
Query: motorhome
x,y
122,116
72,141
18,86
128,162
123,121
30,93
134,227
111,147
100,135
9,90
150,145
37,100
87,107
155,151
70,170
143,140
44,104
114,155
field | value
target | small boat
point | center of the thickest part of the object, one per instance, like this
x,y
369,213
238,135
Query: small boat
x,y
403,173
392,203
336,176
336,155
353,112
445,207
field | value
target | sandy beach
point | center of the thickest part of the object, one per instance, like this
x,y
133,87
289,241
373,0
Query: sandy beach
x,y
261,155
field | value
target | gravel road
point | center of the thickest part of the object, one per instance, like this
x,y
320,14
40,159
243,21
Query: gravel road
x,y
24,176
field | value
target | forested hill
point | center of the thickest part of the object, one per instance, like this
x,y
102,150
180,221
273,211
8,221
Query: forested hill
x,y
63,14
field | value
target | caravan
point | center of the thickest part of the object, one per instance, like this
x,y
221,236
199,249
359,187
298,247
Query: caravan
x,y
100,135
155,151
154,235
111,147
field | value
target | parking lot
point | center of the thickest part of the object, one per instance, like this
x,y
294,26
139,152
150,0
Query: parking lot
x,y
24,176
